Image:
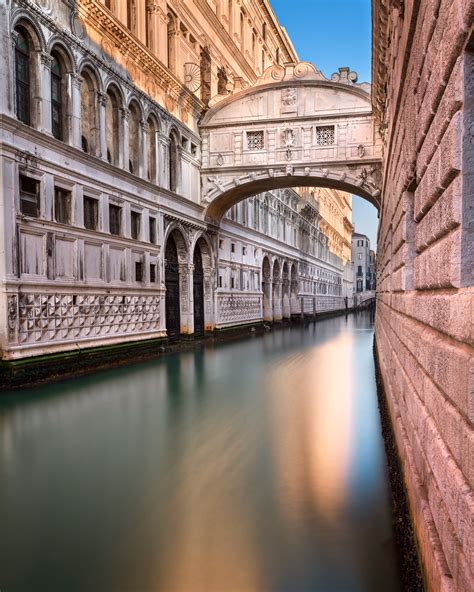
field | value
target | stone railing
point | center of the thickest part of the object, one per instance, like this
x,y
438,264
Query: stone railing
x,y
235,308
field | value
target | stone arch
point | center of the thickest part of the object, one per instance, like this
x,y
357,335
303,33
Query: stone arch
x,y
174,159
62,66
267,288
134,136
176,274
28,54
219,196
113,116
56,43
22,18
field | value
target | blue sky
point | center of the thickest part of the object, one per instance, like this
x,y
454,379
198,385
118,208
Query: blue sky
x,y
331,34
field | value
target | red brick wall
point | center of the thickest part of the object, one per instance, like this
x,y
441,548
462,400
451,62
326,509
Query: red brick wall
x,y
425,313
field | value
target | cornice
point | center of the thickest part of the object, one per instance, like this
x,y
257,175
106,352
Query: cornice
x,y
97,15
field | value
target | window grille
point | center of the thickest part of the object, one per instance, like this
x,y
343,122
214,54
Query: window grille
x,y
325,135
255,140
29,196
152,226
135,225
115,219
138,271
62,206
91,213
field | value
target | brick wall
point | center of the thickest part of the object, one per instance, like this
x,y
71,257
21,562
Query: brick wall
x,y
423,71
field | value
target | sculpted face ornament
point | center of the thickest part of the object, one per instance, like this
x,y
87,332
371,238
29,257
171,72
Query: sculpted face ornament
x,y
361,150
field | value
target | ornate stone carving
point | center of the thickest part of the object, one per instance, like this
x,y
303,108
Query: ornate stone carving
x,y
288,96
12,316
239,308
345,76
77,25
57,317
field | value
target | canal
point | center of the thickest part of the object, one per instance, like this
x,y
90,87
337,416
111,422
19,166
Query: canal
x,y
252,465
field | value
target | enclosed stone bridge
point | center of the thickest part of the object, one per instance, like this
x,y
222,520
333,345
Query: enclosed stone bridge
x,y
293,128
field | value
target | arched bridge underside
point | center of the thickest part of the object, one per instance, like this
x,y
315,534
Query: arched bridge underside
x,y
292,128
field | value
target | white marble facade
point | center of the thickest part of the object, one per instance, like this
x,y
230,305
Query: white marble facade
x,y
94,185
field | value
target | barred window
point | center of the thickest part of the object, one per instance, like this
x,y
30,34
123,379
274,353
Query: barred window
x,y
91,213
62,206
325,135
152,273
135,223
255,140
115,219
29,196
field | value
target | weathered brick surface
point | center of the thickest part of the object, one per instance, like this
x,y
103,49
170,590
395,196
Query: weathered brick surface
x,y
425,312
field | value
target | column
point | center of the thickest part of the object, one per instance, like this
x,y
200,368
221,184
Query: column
x,y
143,143
163,171
102,99
43,93
75,86
209,321
185,296
123,138
277,316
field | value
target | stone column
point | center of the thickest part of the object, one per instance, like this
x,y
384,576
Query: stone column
x,y
294,305
124,138
75,126
277,314
143,143
209,321
102,99
286,300
267,300
163,179
43,93
185,296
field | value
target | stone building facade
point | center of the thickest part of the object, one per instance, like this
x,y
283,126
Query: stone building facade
x,y
361,262
423,93
103,235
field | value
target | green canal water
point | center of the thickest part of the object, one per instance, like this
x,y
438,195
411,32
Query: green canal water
x,y
253,465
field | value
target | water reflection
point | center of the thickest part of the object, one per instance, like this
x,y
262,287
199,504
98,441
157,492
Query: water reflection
x,y
249,466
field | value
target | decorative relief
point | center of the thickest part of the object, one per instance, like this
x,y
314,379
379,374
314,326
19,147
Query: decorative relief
x,y
192,76
239,308
77,26
12,316
288,96
52,317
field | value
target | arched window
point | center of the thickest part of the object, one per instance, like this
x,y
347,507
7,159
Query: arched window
x,y
112,126
57,99
174,163
151,146
23,77
134,140
88,114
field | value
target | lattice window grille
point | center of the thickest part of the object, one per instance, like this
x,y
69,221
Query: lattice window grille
x,y
325,135
255,140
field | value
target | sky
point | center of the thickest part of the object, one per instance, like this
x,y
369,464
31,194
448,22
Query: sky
x,y
331,34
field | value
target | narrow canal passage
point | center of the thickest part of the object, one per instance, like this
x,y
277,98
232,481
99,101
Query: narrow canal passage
x,y
256,465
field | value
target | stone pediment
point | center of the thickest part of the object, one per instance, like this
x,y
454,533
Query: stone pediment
x,y
294,91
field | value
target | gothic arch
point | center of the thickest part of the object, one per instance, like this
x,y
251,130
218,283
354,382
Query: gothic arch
x,y
87,65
